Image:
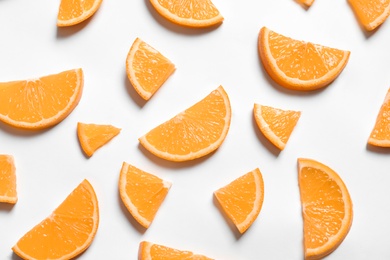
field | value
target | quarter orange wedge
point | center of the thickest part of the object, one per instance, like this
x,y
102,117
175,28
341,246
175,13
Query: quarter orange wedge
x,y
299,65
190,13
8,192
147,69
67,232
380,134
193,133
242,199
307,3
93,136
42,102
371,13
326,208
142,193
276,124
73,12
151,251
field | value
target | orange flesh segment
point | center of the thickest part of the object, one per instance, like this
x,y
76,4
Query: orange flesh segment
x,y
72,12
67,232
326,208
151,251
147,69
8,192
191,13
142,193
299,65
380,135
242,199
42,102
93,136
276,124
371,14
197,131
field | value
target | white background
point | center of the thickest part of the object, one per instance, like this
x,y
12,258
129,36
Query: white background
x,y
333,129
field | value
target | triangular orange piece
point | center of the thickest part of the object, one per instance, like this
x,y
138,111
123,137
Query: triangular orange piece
x,y
7,179
93,136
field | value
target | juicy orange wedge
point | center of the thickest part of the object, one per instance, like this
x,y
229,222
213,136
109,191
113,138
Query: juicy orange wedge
x,y
42,102
191,13
193,133
94,136
276,124
142,193
380,134
299,65
151,251
147,69
371,14
67,232
242,199
73,12
8,192
307,3
326,208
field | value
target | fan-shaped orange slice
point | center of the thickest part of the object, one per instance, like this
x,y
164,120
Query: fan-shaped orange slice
x,y
371,14
380,134
193,133
242,199
42,102
276,124
299,65
94,136
67,232
142,193
151,251
73,12
147,69
191,13
326,208
8,192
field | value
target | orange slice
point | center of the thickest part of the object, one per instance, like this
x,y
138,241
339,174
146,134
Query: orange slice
x,y
93,136
326,208
8,192
299,65
191,13
242,199
42,102
142,193
67,232
147,69
307,3
380,135
371,13
193,133
73,12
276,124
151,251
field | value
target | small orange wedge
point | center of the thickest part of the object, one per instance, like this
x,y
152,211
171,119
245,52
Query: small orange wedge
x,y
193,133
73,12
307,3
242,199
142,193
147,69
372,13
93,136
276,124
326,208
380,135
67,232
151,251
299,65
190,13
42,102
8,192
